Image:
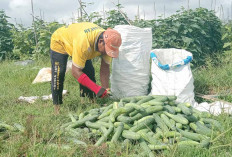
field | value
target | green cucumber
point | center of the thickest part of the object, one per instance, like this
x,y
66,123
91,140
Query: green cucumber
x,y
117,133
143,100
83,120
190,135
177,118
167,122
143,124
154,109
130,135
145,147
171,97
169,109
105,136
160,123
184,109
158,147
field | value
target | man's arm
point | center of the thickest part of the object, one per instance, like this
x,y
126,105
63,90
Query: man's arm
x,y
76,72
83,79
104,74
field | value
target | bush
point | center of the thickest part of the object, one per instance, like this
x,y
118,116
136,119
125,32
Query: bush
x,y
6,44
198,31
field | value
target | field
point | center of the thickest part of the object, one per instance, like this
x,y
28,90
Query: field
x,y
41,123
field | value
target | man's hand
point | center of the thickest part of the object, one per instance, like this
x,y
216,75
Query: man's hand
x,y
102,93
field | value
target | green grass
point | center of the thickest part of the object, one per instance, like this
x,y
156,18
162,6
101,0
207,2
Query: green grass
x,y
41,123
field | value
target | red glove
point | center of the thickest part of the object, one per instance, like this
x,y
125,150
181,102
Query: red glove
x,y
98,90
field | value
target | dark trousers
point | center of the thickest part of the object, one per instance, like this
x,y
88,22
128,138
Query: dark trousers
x,y
59,64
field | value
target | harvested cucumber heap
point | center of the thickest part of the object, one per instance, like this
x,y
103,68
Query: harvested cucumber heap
x,y
155,122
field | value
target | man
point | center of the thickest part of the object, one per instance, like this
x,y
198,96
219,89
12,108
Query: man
x,y
83,42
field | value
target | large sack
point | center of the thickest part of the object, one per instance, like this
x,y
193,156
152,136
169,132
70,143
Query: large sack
x,y
172,75
130,71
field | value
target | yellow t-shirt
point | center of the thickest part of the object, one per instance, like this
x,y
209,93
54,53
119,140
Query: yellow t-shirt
x,y
79,41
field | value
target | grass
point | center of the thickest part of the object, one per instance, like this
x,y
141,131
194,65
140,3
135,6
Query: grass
x,y
41,123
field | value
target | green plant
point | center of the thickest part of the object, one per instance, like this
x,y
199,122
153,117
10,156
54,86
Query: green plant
x,y
198,31
6,44
24,43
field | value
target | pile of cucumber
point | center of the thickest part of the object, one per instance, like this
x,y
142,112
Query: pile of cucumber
x,y
155,122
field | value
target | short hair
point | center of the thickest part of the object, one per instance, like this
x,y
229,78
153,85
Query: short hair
x,y
100,37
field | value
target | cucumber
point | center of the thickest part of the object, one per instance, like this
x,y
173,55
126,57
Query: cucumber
x,y
143,100
72,117
117,133
142,124
130,135
83,120
190,135
115,113
177,118
135,106
171,97
124,119
97,124
158,147
169,109
167,122
104,137
133,100
201,129
153,109
81,115
149,138
152,103
172,103
128,99
161,98
191,118
188,143
160,123
184,109
8,127
177,109
133,113
214,123
103,129
126,126
145,147
105,119
171,134
19,127
105,113
179,125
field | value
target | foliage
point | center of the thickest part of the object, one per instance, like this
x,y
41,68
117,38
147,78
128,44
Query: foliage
x,y
24,43
198,31
44,32
6,44
24,40
227,36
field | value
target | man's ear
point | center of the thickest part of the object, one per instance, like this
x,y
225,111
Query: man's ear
x,y
101,41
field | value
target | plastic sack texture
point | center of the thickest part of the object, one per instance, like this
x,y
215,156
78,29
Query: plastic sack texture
x,y
130,71
175,81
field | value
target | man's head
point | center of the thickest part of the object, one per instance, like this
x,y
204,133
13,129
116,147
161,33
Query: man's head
x,y
109,43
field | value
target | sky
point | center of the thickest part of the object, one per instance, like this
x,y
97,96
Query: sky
x,y
64,11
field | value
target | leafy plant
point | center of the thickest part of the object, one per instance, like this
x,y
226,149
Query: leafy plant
x,y
198,31
6,44
44,37
24,43
227,36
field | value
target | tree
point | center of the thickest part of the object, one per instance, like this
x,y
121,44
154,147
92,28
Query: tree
x,y
6,44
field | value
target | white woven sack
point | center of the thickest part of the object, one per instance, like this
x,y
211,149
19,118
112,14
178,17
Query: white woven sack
x,y
177,81
130,71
